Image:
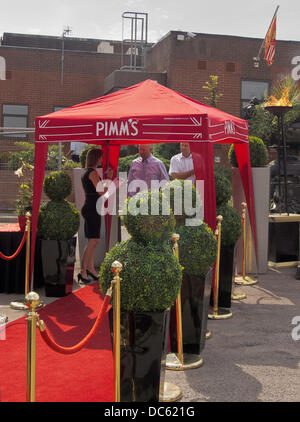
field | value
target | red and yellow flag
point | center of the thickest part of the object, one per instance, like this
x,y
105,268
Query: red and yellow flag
x,y
270,41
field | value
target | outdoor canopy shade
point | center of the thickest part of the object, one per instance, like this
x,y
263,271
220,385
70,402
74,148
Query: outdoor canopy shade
x,y
146,113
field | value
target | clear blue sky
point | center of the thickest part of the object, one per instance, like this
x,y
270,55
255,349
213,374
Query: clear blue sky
x,y
103,19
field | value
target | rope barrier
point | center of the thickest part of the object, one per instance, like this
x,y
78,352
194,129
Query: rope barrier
x,y
73,349
8,258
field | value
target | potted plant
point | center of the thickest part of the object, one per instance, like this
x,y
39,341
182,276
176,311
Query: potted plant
x,y
24,200
58,223
197,252
150,282
261,189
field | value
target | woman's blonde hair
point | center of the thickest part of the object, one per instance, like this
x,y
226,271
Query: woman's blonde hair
x,y
92,157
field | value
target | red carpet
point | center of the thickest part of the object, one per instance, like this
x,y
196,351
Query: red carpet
x,y
86,376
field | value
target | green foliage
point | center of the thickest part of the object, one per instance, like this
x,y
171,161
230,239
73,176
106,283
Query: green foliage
x,y
223,189
58,220
258,153
182,192
151,275
262,124
83,154
212,87
14,159
24,199
148,218
278,88
57,185
231,228
125,162
197,249
69,165
166,149
223,171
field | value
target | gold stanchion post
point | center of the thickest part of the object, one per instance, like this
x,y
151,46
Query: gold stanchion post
x,y
218,313
244,280
181,361
116,268
19,306
32,301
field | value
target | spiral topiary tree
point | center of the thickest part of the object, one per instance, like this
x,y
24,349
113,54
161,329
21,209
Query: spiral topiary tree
x,y
151,274
58,218
197,243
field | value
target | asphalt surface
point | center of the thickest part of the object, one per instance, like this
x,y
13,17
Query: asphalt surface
x,y
251,357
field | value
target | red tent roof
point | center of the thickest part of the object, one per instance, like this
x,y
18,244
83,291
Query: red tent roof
x,y
146,112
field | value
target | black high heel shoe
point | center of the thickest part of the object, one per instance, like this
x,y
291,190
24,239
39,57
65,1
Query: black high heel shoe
x,y
96,278
82,279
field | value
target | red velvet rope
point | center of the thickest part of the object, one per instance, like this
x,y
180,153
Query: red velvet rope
x,y
8,258
69,350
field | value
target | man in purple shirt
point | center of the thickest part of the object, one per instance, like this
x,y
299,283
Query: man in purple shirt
x,y
146,172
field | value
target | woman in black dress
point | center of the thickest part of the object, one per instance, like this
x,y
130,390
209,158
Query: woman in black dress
x,y
93,189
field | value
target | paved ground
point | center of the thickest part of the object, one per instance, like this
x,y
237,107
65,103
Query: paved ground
x,y
250,357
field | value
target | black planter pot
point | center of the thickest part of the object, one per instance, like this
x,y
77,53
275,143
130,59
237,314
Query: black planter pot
x,y
57,263
144,339
283,241
195,294
226,277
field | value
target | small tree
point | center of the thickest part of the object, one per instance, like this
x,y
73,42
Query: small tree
x,y
212,87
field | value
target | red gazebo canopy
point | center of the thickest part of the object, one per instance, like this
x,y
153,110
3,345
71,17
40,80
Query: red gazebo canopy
x,y
146,113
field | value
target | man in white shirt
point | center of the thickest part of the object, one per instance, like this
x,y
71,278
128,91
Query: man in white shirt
x,y
181,165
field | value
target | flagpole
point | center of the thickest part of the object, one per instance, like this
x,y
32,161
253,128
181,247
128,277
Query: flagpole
x,y
263,43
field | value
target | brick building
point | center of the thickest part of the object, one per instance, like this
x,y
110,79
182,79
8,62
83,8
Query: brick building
x,y
39,74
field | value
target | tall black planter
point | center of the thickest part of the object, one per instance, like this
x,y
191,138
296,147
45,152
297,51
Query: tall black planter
x,y
58,259
226,276
195,294
143,352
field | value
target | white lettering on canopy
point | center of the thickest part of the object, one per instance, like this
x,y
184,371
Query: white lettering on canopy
x,y
229,127
117,128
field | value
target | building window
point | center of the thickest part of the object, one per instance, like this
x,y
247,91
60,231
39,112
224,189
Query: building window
x,y
251,89
15,116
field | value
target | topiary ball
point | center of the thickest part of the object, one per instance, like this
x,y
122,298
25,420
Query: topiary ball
x,y
197,249
231,228
57,185
148,218
150,278
223,189
58,220
258,153
184,200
